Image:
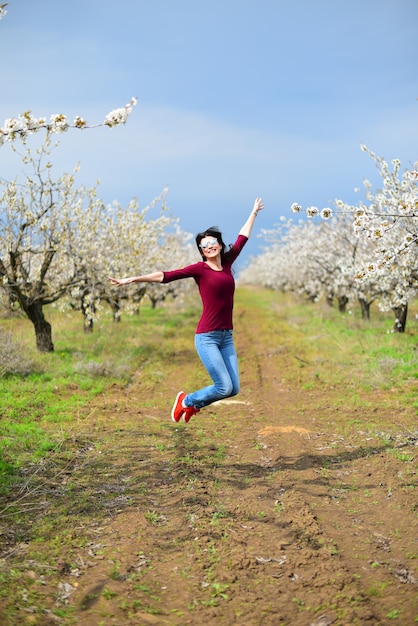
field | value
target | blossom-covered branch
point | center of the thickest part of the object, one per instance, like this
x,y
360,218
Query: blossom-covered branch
x,y
26,124
312,211
397,199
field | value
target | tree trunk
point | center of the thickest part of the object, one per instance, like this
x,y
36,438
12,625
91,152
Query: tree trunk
x,y
401,313
87,311
342,303
115,306
365,308
153,302
43,330
88,324
330,299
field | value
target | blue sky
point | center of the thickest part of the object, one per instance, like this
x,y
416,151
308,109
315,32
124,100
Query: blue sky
x,y
237,98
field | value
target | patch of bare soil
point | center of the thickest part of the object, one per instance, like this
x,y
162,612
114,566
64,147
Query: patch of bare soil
x,y
267,509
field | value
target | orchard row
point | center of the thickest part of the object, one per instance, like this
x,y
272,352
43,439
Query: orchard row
x,y
60,243
361,253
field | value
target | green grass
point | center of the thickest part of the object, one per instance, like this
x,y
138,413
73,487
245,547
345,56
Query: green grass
x,y
343,347
38,412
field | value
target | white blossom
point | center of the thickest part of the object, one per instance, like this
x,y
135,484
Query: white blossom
x,y
12,127
119,116
79,122
58,123
312,211
326,213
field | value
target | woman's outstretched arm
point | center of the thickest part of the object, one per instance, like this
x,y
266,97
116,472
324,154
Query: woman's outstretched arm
x,y
155,277
248,226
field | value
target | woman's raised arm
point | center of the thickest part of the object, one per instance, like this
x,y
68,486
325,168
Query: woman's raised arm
x,y
248,226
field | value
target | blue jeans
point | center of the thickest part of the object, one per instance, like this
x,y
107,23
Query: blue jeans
x,y
217,353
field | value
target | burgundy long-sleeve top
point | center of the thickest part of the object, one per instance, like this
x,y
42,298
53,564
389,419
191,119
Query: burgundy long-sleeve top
x,y
216,288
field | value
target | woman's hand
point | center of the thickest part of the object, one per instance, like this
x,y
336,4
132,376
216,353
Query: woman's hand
x,y
258,205
248,226
119,282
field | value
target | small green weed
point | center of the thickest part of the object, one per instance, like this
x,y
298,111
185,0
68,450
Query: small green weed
x,y
154,517
401,456
108,593
222,513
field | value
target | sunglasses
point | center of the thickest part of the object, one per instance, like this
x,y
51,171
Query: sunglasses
x,y
209,243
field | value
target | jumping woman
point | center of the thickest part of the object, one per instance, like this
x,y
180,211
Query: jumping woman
x,y
213,339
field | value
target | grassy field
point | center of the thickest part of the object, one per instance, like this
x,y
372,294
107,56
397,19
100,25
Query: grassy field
x,y
38,411
349,382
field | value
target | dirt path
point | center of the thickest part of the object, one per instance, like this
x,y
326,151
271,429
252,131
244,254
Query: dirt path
x,y
264,510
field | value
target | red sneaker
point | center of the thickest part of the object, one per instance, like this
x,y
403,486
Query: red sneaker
x,y
189,411
178,408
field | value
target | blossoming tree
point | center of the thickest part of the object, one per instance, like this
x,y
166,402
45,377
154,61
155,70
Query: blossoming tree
x,y
366,252
128,240
389,219
33,219
37,218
